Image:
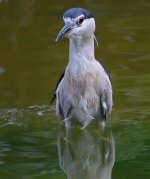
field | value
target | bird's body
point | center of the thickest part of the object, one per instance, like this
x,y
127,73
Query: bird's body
x,y
84,92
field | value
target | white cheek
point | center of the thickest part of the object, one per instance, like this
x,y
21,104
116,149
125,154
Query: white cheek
x,y
87,28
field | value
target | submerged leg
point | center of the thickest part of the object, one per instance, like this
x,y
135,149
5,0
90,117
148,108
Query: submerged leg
x,y
102,125
67,120
68,123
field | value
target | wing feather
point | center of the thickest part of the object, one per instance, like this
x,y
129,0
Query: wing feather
x,y
58,82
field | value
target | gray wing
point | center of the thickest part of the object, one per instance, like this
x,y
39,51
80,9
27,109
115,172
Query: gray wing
x,y
103,106
63,107
106,101
59,80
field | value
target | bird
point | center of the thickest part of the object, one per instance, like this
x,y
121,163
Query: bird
x,y
83,92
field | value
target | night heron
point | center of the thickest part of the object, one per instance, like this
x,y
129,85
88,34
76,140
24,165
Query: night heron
x,y
84,91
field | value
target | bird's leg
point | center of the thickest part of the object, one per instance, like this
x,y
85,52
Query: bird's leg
x,y
102,125
84,126
67,119
68,123
86,122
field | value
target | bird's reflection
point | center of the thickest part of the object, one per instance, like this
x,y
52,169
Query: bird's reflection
x,y
86,154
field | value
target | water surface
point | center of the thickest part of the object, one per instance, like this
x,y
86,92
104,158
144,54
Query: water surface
x,y
33,144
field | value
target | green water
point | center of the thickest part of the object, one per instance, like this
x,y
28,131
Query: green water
x,y
33,144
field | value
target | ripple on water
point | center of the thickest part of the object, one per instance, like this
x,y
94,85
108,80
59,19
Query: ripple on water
x,y
24,117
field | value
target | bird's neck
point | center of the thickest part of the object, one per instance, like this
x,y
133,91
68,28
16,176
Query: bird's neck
x,y
81,49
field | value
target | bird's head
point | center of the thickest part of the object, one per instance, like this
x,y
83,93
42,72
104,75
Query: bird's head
x,y
78,23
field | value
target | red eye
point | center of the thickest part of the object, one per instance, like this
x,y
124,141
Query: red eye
x,y
81,20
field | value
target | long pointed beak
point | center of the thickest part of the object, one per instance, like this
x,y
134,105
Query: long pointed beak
x,y
69,26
